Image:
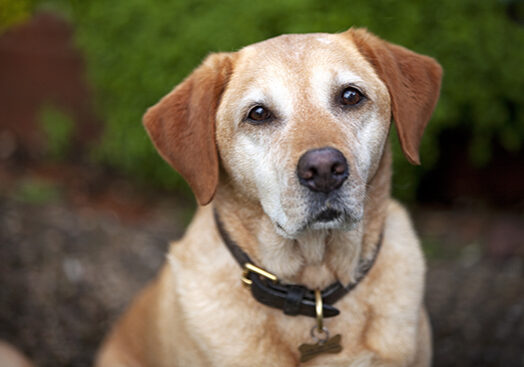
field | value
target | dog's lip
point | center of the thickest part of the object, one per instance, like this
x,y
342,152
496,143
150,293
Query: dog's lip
x,y
328,215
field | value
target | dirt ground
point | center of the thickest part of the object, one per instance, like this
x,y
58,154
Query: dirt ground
x,y
68,267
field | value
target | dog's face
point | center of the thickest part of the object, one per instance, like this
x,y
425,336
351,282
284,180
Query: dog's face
x,y
299,123
301,127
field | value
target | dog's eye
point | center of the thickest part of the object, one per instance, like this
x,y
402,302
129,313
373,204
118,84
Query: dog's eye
x,y
259,114
351,96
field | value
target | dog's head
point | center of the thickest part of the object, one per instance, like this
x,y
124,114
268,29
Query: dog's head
x,y
298,123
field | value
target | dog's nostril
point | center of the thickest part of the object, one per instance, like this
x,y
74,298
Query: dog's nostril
x,y
339,168
308,174
323,169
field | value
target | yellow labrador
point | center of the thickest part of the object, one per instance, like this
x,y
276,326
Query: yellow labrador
x,y
284,144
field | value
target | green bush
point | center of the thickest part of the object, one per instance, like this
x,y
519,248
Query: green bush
x,y
35,190
58,128
13,12
137,50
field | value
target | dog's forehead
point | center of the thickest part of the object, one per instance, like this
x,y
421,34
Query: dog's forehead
x,y
292,45
302,53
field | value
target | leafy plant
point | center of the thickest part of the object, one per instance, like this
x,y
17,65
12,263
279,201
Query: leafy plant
x,y
13,12
35,190
58,127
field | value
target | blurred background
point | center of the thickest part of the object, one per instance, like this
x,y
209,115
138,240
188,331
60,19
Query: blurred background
x,y
87,207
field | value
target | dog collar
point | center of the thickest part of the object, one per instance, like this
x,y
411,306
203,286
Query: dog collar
x,y
293,299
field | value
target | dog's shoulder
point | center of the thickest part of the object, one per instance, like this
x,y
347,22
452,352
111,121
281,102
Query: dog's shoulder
x,y
399,229
394,289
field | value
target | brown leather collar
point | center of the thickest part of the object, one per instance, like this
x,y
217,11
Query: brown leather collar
x,y
293,299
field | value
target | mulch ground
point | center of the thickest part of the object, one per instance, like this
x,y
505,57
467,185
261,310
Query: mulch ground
x,y
67,271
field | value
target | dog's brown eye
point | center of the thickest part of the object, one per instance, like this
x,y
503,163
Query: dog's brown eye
x,y
259,114
351,96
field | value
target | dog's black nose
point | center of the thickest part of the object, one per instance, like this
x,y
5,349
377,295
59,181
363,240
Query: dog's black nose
x,y
323,169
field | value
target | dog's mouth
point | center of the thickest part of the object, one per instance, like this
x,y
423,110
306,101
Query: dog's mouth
x,y
332,214
324,219
331,219
331,208
338,211
328,218
328,215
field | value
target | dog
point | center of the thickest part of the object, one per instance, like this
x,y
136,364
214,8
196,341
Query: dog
x,y
297,255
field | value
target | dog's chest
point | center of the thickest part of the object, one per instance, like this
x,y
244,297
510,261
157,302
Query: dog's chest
x,y
229,324
377,322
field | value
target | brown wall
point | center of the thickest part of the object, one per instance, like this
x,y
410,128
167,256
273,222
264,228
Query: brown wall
x,y
39,64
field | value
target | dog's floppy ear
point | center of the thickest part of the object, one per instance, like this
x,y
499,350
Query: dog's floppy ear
x,y
413,82
182,125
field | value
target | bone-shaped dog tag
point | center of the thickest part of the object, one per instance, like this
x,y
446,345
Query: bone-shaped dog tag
x,y
310,351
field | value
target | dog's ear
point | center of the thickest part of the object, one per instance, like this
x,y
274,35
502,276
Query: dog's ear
x,y
413,82
182,125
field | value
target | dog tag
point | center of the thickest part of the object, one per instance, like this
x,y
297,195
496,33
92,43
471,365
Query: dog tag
x,y
310,351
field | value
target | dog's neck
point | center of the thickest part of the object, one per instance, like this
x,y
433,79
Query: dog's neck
x,y
316,258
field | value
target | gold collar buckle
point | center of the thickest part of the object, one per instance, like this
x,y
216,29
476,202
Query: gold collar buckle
x,y
250,268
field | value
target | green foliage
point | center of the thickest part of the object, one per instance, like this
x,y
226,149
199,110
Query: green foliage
x,y
13,12
137,50
58,128
37,191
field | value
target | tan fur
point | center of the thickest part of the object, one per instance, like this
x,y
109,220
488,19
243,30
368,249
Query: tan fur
x,y
188,144
11,357
197,313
